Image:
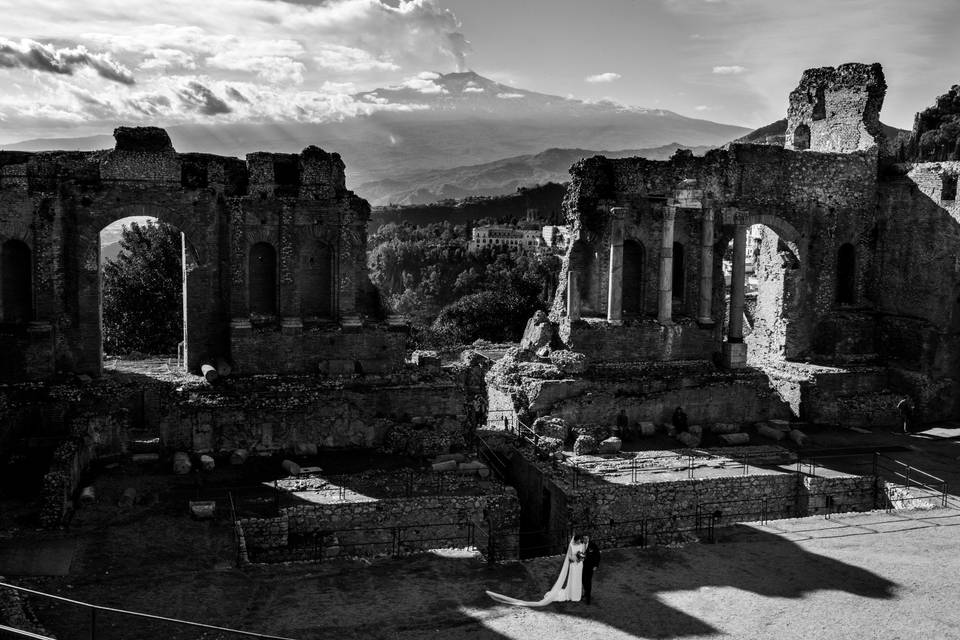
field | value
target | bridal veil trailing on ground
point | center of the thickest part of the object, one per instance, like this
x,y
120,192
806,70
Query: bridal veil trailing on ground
x,y
569,584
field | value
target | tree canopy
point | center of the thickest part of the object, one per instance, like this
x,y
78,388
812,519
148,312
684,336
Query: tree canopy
x,y
143,292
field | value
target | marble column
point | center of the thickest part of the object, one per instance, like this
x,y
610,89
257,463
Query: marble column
x,y
734,349
705,315
737,282
573,296
615,279
665,301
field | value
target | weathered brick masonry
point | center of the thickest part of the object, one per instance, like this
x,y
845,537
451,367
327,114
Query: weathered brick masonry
x,y
274,255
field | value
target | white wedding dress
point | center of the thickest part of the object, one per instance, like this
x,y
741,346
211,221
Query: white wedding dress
x,y
569,584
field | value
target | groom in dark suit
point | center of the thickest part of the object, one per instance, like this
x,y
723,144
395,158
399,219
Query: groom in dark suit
x,y
591,560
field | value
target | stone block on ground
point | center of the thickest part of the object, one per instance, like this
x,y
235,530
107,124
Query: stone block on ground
x,y
203,509
446,465
647,429
181,463
767,431
239,456
550,445
611,445
538,333
552,427
687,439
799,437
734,439
207,463
724,427
291,467
584,445
88,495
127,498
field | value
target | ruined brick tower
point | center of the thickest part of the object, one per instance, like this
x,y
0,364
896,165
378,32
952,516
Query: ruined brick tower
x,y
836,110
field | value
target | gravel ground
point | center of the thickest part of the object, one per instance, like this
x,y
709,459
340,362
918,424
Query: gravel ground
x,y
873,575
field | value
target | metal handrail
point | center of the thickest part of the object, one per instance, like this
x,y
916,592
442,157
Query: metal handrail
x,y
23,633
96,607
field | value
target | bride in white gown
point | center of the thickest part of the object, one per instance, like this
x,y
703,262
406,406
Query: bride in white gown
x,y
569,584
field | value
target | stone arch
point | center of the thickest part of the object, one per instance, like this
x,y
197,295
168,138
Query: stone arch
x,y
262,279
787,233
16,282
200,293
778,323
634,272
801,137
846,274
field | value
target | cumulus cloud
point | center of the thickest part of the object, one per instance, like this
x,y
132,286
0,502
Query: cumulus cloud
x,y
271,60
469,89
702,107
163,59
510,96
729,70
424,83
342,58
201,99
29,54
604,77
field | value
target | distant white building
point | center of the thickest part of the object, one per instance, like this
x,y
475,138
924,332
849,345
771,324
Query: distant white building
x,y
505,236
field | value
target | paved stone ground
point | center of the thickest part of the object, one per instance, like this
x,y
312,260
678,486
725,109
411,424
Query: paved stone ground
x,y
870,575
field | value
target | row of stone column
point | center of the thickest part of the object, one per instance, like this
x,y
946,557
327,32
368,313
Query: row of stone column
x,y
665,288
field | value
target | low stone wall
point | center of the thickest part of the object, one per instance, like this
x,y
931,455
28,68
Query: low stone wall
x,y
846,493
604,342
311,532
854,397
331,352
646,392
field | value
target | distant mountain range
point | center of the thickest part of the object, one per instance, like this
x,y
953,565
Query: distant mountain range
x,y
499,177
439,122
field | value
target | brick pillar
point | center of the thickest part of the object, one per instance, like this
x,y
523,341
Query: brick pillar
x,y
573,296
239,304
734,350
705,316
665,301
615,280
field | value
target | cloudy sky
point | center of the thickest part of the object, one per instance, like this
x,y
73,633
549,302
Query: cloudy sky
x,y
71,69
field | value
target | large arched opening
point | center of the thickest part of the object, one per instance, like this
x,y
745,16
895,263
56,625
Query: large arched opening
x,y
772,287
143,271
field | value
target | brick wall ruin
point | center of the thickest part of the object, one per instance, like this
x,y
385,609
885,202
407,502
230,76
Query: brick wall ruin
x,y
275,255
856,265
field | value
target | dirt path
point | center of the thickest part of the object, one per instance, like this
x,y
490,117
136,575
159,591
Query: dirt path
x,y
873,575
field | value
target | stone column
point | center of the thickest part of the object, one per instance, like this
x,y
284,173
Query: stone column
x,y
615,279
665,306
573,296
734,350
705,317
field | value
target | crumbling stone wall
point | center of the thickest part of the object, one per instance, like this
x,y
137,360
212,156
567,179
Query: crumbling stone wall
x,y
837,110
57,202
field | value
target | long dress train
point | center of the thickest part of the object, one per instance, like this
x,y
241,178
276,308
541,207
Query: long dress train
x,y
569,584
